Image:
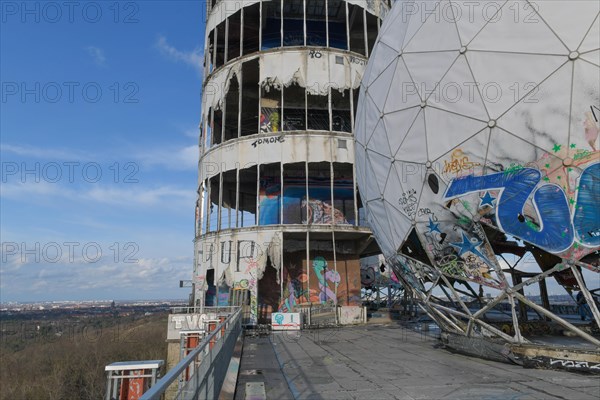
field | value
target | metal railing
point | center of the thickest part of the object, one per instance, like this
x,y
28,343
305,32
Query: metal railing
x,y
203,310
201,373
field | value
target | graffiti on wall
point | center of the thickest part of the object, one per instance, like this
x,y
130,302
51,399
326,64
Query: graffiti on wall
x,y
326,277
459,163
321,212
319,282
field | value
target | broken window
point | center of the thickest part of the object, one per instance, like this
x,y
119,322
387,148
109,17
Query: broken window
x,y
251,29
213,210
271,24
204,207
250,93
340,111
233,37
228,200
343,194
294,108
211,51
217,126
356,25
294,193
337,24
372,30
293,23
247,197
355,94
270,109
362,212
270,194
220,50
209,129
319,208
316,24
232,108
318,112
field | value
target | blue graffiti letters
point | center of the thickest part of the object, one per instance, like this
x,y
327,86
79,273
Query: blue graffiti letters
x,y
587,216
555,233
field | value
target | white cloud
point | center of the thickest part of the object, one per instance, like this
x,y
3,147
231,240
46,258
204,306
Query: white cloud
x,y
192,132
146,277
183,158
175,158
193,58
97,55
45,153
141,196
133,195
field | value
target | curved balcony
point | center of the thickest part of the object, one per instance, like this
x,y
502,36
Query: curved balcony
x,y
281,92
302,194
243,28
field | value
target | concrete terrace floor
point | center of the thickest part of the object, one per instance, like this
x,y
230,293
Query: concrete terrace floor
x,y
391,362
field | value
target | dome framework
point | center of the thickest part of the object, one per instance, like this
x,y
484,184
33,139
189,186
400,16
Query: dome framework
x,y
477,159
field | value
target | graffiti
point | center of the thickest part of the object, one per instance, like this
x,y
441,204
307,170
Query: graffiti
x,y
272,139
426,211
358,61
591,129
459,162
581,154
471,267
554,232
321,212
294,294
269,120
585,220
290,302
559,363
325,275
242,284
513,168
315,54
367,276
408,202
451,265
574,364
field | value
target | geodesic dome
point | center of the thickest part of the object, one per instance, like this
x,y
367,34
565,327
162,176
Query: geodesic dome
x,y
477,135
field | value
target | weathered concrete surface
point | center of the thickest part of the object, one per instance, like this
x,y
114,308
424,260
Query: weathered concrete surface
x,y
259,364
390,362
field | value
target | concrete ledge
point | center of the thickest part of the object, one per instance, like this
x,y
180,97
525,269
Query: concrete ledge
x,y
230,381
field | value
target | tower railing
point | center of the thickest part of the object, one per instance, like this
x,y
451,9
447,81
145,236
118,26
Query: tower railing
x,y
200,375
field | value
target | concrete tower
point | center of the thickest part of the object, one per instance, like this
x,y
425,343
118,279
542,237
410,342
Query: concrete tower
x,y
279,222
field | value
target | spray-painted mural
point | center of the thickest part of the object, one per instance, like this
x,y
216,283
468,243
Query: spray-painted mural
x,y
321,283
237,262
270,200
466,183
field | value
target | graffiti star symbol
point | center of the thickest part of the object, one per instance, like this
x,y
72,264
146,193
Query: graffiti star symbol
x,y
556,148
467,246
433,227
487,199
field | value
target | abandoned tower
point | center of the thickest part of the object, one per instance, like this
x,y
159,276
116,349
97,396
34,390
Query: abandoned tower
x,y
279,223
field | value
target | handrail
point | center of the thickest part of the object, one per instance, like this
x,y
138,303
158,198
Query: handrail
x,y
200,309
173,374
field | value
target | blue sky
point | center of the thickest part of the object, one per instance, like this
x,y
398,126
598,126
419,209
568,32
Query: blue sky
x,y
99,89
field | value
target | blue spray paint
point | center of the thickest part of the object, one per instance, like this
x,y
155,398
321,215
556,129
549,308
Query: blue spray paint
x,y
555,234
587,215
